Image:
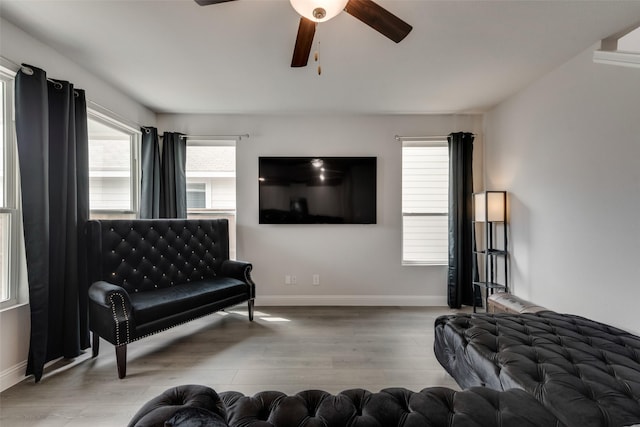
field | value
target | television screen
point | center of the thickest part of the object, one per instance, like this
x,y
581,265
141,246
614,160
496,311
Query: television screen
x,y
317,190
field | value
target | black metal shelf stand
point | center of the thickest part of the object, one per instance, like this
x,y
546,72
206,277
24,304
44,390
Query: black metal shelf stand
x,y
490,253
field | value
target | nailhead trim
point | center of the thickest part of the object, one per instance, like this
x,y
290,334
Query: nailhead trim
x,y
188,320
115,317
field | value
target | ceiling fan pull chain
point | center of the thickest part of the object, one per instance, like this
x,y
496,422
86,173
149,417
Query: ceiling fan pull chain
x,y
316,57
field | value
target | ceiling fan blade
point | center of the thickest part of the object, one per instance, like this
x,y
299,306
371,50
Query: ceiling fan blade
x,y
378,18
208,2
304,40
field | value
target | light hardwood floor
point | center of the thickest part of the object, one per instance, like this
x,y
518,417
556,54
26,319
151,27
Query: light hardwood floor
x,y
285,348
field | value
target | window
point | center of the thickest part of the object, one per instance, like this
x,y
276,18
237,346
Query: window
x,y
425,202
620,49
9,214
211,183
113,167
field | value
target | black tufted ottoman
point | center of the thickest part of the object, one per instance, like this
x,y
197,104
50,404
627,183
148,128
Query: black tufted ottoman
x,y
198,406
586,373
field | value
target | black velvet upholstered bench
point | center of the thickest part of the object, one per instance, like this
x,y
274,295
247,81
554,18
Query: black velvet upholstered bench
x,y
151,275
200,406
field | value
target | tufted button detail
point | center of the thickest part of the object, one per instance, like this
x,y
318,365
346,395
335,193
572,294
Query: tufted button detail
x,y
389,407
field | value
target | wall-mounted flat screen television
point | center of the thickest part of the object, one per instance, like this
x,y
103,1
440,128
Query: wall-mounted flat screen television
x,y
317,190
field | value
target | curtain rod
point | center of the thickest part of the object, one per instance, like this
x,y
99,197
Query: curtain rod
x,y
235,136
422,138
29,71
238,137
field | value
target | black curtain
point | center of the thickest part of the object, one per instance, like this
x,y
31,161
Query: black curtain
x,y
51,129
173,188
461,270
150,174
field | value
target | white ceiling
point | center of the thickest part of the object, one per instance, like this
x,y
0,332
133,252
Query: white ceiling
x,y
462,56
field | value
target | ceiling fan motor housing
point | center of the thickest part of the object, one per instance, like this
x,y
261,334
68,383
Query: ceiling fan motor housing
x,y
319,10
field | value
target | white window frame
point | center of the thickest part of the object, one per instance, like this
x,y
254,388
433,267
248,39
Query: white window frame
x,y
11,191
200,213
611,54
135,136
211,143
443,260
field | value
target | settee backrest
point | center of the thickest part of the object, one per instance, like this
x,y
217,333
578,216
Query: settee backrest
x,y
143,255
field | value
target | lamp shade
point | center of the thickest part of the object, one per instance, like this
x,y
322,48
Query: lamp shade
x,y
489,206
319,10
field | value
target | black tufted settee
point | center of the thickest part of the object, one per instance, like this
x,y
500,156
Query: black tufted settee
x,y
151,275
586,373
200,406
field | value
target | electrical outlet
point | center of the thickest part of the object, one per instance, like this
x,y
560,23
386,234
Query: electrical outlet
x,y
294,280
287,279
316,279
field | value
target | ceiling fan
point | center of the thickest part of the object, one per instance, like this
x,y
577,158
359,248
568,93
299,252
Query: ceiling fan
x,y
315,11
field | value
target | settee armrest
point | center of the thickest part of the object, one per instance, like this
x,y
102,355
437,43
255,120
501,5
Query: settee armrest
x,y
103,293
240,270
237,270
111,313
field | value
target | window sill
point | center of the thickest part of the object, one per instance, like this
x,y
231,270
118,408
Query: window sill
x,y
624,59
13,306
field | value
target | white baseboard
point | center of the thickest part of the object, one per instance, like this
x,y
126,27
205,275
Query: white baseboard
x,y
352,300
13,375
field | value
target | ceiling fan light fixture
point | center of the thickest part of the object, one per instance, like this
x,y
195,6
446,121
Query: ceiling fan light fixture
x,y
319,10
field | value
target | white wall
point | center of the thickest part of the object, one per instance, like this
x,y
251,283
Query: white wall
x,y
357,264
568,151
19,47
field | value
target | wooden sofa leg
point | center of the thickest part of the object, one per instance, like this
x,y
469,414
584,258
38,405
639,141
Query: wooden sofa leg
x,y
250,306
121,360
95,344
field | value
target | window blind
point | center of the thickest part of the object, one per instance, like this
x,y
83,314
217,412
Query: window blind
x,y
425,202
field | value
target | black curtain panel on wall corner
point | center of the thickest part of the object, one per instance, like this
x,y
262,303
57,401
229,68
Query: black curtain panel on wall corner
x,y
460,272
51,129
